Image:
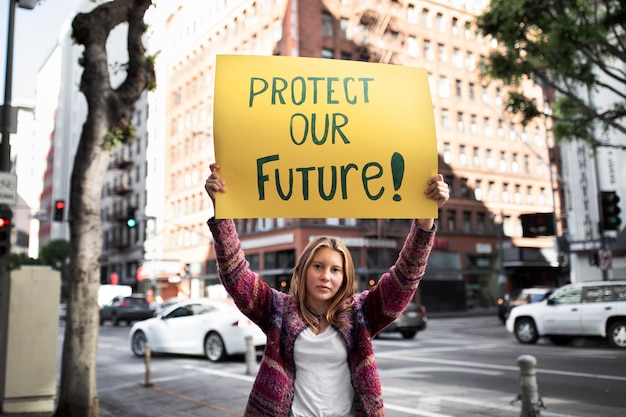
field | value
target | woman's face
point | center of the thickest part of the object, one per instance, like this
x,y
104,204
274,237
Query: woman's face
x,y
323,278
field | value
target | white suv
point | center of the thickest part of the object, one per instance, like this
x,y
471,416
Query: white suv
x,y
581,309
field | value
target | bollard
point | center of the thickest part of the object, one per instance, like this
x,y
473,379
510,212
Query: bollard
x,y
148,382
250,357
529,392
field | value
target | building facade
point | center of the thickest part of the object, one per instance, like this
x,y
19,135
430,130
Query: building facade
x,y
497,169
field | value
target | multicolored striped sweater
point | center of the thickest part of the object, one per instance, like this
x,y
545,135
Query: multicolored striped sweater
x,y
277,314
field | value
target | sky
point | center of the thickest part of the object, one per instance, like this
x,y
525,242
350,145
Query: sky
x,y
36,34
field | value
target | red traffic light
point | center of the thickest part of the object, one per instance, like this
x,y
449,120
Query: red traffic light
x,y
59,204
4,222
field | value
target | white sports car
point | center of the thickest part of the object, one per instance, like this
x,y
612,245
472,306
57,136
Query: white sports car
x,y
213,328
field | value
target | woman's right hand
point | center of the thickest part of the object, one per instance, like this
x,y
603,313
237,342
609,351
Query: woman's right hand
x,y
214,183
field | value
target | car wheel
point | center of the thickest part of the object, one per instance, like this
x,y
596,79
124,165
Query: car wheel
x,y
138,344
617,334
214,348
526,331
408,333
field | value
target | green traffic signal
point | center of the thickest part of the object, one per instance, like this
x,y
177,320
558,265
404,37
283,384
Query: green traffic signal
x,y
131,222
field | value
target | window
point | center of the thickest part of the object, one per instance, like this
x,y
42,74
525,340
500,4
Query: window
x,y
457,59
472,92
327,24
411,14
460,126
505,194
487,127
464,188
476,157
441,52
480,223
428,51
503,164
440,23
447,154
444,87
462,155
426,18
455,26
515,164
412,46
344,28
568,296
451,220
478,191
459,89
517,197
467,222
474,124
445,119
489,158
328,53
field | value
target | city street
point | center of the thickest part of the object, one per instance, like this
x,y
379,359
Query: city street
x,y
457,367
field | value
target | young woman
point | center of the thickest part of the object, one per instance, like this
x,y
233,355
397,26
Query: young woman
x,y
318,360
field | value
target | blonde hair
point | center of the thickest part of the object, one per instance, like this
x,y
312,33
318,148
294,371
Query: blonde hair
x,y
298,281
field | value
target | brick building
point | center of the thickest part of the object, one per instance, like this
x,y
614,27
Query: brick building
x,y
497,169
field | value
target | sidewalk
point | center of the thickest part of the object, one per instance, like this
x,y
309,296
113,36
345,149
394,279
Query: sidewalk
x,y
210,392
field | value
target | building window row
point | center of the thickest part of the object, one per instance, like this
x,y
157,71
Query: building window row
x,y
505,192
505,162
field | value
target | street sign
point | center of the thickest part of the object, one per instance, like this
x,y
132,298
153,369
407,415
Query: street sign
x,y
8,188
604,259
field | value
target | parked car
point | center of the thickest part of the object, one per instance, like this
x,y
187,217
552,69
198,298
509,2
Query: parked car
x,y
519,297
580,309
125,309
412,320
204,327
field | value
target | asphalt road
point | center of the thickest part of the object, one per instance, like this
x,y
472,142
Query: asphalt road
x,y
470,362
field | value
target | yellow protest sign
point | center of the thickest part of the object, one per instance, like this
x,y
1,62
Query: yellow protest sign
x,y
318,138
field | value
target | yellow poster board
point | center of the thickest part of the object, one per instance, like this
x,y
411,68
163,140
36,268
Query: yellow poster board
x,y
319,138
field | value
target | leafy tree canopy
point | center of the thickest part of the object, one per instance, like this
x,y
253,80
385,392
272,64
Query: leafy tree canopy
x,y
573,48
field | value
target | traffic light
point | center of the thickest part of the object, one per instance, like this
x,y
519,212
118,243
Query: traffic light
x,y
59,208
609,203
537,224
6,215
131,218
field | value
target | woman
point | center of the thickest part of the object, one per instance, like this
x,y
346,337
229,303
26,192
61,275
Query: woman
x,y
318,360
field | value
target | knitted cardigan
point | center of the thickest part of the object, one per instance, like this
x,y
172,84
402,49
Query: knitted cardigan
x,y
276,313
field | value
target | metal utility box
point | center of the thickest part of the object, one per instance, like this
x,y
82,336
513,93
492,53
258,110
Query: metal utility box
x,y
29,325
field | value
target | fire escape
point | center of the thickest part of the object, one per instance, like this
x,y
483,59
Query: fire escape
x,y
123,191
376,35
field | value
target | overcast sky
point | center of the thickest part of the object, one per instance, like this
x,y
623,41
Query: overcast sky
x,y
36,34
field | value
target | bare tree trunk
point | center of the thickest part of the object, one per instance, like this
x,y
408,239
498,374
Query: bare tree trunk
x,y
108,124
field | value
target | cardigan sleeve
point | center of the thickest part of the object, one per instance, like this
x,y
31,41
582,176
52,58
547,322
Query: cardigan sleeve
x,y
249,292
396,288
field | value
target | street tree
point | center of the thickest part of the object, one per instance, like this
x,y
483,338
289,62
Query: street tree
x,y
108,124
574,49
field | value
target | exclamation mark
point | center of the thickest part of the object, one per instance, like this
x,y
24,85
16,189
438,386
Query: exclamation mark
x,y
397,170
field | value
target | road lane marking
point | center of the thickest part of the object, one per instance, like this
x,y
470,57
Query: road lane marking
x,y
396,355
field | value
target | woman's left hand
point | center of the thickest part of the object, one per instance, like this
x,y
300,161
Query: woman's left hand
x,y
438,190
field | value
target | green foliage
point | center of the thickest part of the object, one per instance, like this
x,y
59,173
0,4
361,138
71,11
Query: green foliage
x,y
118,136
572,48
16,260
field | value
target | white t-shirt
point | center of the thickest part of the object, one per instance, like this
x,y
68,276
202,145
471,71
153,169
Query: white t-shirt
x,y
322,386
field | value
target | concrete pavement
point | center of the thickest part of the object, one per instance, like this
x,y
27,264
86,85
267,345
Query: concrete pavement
x,y
223,392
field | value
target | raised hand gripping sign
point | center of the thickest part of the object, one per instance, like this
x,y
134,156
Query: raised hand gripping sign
x,y
317,138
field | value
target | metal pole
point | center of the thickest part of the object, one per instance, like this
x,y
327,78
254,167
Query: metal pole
x,y
250,356
5,146
529,392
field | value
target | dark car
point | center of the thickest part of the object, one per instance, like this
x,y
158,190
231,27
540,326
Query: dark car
x,y
412,320
126,309
519,297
